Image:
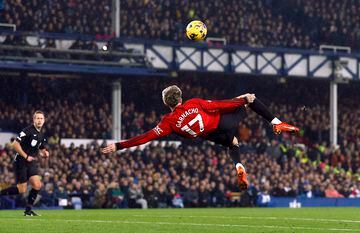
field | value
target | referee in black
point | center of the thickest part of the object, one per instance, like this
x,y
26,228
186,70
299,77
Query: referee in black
x,y
29,145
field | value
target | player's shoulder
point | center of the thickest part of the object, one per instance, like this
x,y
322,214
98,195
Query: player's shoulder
x,y
28,129
25,132
166,117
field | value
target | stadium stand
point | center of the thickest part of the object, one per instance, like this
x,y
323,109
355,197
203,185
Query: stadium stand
x,y
83,112
168,176
163,175
295,23
86,17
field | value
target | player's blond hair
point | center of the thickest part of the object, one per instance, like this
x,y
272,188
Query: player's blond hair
x,y
171,96
38,112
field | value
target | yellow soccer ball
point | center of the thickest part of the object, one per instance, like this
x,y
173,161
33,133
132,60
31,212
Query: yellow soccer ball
x,y
196,30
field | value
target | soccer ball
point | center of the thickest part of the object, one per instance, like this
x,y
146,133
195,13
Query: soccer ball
x,y
196,30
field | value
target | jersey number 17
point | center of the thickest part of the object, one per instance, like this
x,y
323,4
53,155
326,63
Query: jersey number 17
x,y
186,128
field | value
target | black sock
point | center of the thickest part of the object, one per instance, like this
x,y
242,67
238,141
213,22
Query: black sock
x,y
12,190
234,152
261,109
28,208
31,198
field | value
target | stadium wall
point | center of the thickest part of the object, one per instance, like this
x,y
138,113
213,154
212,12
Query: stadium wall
x,y
314,202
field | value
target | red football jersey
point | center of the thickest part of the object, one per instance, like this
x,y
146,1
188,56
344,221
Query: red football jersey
x,y
194,118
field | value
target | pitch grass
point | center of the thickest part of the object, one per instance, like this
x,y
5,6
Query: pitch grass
x,y
184,220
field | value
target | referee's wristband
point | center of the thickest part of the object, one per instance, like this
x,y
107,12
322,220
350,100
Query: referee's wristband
x,y
118,146
27,156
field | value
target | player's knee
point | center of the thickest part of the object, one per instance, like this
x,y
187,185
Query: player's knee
x,y
35,182
22,188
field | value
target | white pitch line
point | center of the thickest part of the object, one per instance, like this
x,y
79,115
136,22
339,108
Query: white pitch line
x,y
248,217
185,224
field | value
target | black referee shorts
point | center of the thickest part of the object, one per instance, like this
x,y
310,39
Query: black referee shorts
x,y
227,128
24,170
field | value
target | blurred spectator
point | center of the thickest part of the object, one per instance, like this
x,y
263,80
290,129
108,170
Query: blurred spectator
x,y
264,197
308,191
115,196
162,198
100,196
191,197
47,195
61,196
354,192
151,199
219,197
136,196
176,199
332,192
204,196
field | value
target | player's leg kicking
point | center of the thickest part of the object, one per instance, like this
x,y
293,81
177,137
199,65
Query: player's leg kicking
x,y
226,134
234,152
278,126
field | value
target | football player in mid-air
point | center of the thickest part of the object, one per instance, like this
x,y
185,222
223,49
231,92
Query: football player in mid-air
x,y
214,120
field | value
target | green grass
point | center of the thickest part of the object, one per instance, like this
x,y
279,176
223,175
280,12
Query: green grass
x,y
185,220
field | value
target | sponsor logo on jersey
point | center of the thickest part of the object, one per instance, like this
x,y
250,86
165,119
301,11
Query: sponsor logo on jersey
x,y
158,130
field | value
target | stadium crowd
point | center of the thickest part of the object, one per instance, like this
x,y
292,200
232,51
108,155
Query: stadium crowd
x,y
196,173
83,111
86,17
295,23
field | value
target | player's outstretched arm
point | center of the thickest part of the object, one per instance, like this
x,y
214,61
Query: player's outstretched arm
x,y
135,141
161,130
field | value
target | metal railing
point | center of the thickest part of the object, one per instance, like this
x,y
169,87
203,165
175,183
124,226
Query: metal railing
x,y
156,56
66,56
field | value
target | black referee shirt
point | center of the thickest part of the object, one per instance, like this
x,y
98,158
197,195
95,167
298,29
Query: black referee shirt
x,y
31,140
